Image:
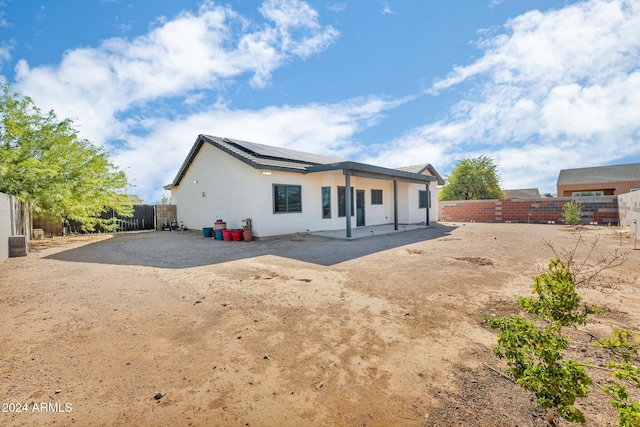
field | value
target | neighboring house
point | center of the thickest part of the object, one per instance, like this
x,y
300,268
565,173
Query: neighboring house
x,y
599,181
135,199
287,191
522,193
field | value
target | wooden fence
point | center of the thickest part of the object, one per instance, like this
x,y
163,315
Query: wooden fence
x,y
143,219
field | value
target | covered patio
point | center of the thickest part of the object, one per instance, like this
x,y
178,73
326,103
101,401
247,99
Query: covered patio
x,y
369,231
355,169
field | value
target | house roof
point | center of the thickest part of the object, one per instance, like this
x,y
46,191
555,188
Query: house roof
x,y
262,155
268,157
614,173
425,167
522,193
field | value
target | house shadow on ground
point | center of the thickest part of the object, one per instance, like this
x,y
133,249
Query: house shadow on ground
x,y
163,249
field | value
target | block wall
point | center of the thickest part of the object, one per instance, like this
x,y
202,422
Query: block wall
x,y
50,226
595,210
629,205
165,213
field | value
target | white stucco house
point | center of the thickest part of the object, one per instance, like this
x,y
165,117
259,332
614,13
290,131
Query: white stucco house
x,y
287,191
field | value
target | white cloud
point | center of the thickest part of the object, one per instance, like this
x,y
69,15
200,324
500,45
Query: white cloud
x,y
41,14
190,52
338,7
290,13
557,89
124,28
5,52
195,99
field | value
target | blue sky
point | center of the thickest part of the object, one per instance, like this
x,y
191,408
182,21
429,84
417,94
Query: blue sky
x,y
537,85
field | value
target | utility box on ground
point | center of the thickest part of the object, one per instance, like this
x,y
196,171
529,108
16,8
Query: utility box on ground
x,y
18,246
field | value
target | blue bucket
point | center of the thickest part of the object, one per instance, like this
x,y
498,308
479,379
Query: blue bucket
x,y
219,234
207,231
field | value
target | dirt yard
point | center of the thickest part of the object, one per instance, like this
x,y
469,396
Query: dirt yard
x,y
172,329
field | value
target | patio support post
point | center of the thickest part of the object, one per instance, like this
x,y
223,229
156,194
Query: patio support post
x,y
395,204
347,201
428,203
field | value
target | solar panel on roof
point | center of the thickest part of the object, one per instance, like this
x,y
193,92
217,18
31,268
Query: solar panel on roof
x,y
283,153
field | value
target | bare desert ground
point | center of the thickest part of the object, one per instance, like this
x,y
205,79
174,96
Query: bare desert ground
x,y
172,329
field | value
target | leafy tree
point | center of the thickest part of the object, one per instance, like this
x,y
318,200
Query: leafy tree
x,y
571,212
473,179
43,161
165,200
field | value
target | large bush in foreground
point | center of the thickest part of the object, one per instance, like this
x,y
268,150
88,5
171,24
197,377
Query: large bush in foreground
x,y
535,347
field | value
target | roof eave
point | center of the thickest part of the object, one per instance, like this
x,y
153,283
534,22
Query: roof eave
x,y
198,145
187,162
376,172
354,168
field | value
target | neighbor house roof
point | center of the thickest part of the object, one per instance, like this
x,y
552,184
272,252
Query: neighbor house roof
x,y
522,193
421,169
614,173
268,157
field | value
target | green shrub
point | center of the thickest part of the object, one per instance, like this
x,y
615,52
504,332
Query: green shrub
x,y
571,212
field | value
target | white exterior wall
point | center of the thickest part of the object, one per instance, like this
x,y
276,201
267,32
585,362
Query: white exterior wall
x,y
235,190
409,202
230,188
374,214
435,196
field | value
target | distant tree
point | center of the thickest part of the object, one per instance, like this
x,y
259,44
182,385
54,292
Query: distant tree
x,y
165,200
473,179
43,161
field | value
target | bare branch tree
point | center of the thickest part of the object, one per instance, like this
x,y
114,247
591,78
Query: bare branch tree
x,y
589,269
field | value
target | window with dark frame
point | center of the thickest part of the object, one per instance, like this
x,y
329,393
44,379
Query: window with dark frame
x,y
287,198
326,202
342,207
424,199
376,197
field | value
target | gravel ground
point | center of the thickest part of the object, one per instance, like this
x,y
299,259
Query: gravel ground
x,y
174,329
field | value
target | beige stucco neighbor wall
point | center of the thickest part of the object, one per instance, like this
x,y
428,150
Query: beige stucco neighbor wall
x,y
609,188
219,186
629,210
